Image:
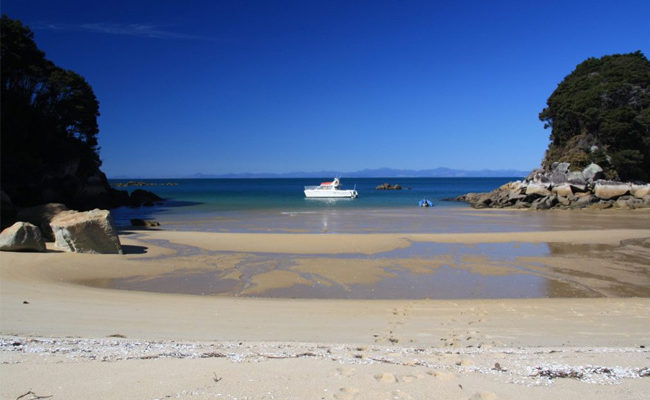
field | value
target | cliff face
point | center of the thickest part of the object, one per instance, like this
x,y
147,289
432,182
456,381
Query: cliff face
x,y
49,131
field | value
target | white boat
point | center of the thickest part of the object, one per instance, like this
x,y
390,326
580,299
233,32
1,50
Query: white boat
x,y
329,190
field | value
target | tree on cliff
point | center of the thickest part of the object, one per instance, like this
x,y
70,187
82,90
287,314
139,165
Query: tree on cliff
x,y
601,113
48,121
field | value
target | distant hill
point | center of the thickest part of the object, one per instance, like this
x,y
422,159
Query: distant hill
x,y
377,173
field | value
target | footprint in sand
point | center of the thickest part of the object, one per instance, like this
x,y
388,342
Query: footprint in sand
x,y
347,393
483,396
346,371
399,395
410,378
386,377
442,375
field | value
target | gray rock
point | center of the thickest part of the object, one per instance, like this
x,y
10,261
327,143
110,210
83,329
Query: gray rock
x,y
22,236
521,204
603,204
41,216
544,203
610,190
592,172
534,175
562,167
576,178
565,201
559,173
583,201
86,232
537,189
562,190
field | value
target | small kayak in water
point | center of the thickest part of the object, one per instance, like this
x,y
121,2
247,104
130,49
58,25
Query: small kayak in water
x,y
425,203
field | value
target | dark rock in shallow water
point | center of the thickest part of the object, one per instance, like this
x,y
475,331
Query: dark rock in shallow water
x,y
144,197
22,236
388,186
147,223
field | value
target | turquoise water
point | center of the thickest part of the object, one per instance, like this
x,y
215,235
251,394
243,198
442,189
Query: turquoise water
x,y
280,205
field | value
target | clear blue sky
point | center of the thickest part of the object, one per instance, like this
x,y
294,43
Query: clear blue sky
x,y
279,86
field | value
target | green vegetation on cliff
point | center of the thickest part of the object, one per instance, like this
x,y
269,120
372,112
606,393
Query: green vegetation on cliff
x,y
601,113
49,124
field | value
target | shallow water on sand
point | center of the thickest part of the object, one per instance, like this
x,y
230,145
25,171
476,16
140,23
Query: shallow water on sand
x,y
423,270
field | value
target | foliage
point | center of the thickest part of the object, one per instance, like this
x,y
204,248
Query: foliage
x,y
601,113
49,116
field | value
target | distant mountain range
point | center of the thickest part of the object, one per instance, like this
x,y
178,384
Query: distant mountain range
x,y
368,173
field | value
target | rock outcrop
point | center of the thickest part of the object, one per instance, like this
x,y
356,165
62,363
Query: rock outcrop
x,y
22,236
561,188
388,186
86,232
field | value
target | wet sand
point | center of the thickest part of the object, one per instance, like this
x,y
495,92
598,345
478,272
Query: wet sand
x,y
59,321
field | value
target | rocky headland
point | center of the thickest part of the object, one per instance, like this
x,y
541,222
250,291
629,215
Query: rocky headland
x,y
559,187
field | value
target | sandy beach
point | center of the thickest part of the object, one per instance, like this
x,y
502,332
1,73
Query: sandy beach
x,y
69,332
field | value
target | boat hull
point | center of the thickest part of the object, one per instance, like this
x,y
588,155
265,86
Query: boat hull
x,y
321,194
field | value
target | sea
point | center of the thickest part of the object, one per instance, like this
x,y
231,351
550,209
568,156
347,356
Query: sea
x,y
279,205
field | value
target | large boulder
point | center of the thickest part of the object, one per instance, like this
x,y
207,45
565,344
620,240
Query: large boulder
x,y
559,173
86,232
537,189
610,190
41,216
576,178
592,172
640,191
562,190
544,203
22,236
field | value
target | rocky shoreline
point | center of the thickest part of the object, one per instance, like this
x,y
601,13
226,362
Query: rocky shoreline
x,y
561,188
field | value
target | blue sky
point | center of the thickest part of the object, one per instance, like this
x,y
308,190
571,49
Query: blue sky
x,y
280,86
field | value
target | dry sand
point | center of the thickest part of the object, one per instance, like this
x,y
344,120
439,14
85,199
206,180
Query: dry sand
x,y
64,338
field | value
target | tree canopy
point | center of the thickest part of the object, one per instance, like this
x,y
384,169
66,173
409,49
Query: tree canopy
x,y
601,113
49,116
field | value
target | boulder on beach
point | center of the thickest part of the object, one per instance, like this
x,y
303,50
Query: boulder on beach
x,y
610,190
537,189
640,191
562,190
41,216
86,232
22,236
